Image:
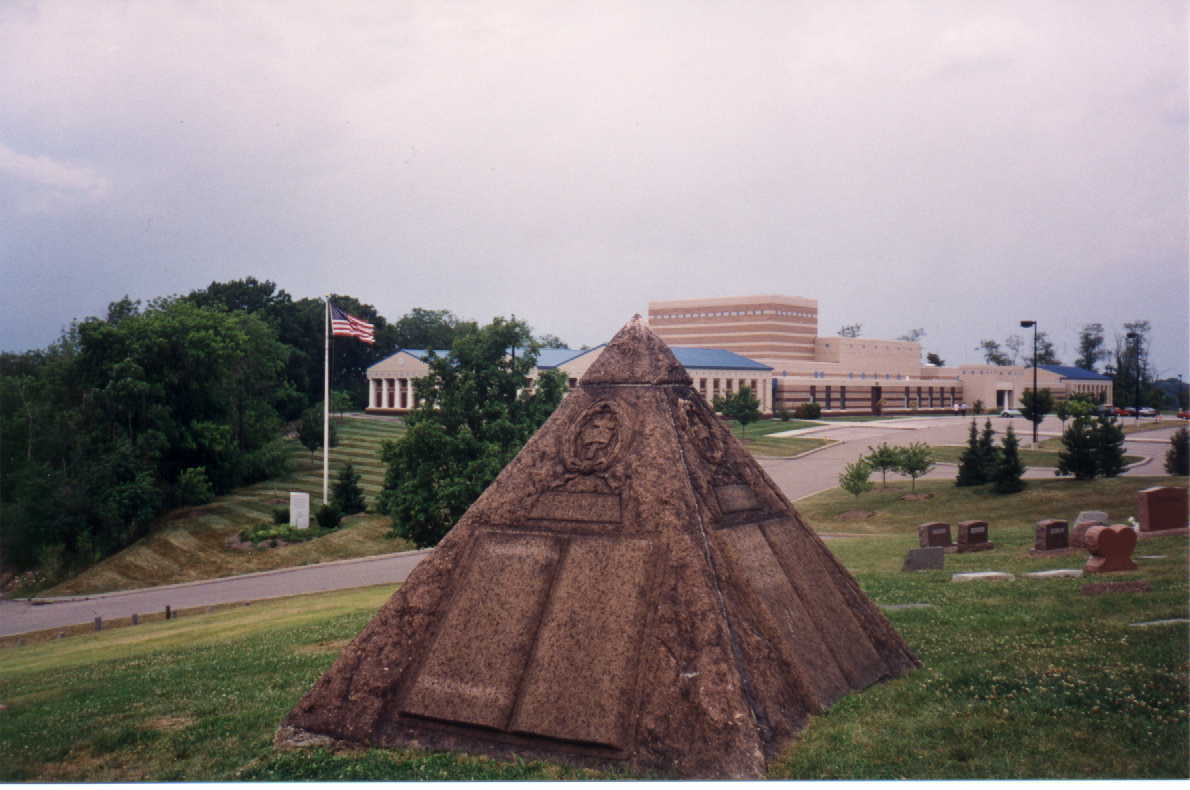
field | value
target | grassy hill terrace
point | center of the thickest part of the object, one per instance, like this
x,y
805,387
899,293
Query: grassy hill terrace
x,y
190,544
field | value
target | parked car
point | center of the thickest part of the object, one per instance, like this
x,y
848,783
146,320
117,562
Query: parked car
x,y
1148,411
1011,413
1124,411
1184,414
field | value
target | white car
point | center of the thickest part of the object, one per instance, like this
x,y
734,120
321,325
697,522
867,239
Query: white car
x,y
1011,413
1148,411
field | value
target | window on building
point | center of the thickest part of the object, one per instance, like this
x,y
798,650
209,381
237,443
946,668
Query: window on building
x,y
843,397
813,393
828,396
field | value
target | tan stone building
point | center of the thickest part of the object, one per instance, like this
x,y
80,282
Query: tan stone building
x,y
844,374
715,372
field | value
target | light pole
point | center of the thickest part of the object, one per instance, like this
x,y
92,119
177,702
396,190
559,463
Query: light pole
x,y
1033,407
1135,338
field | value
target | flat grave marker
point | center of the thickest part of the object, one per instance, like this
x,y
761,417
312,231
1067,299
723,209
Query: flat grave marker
x,y
929,558
982,576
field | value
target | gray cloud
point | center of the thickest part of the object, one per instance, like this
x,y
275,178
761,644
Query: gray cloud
x,y
957,166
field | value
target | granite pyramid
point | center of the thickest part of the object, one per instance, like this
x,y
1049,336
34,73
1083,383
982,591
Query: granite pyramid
x,y
632,590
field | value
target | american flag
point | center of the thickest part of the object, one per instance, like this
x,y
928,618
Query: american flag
x,y
345,324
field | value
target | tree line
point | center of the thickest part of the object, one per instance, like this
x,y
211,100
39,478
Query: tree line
x,y
168,403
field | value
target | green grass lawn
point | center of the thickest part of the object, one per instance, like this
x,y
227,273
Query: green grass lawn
x,y
757,437
950,454
189,544
1021,679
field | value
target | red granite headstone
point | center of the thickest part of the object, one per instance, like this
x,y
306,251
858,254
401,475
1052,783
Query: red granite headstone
x,y
1163,507
935,533
973,536
632,589
1111,549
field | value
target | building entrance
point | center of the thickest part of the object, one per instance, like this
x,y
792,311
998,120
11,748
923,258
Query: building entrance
x,y
877,403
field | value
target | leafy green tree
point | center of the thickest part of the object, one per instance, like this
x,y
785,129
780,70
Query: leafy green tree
x,y
478,408
934,359
429,329
1046,354
883,458
1132,361
346,495
992,354
1090,347
741,406
1062,411
1035,405
1009,468
551,341
854,477
916,460
1177,457
851,330
972,467
194,488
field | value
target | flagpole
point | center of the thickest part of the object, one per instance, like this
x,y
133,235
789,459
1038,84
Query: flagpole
x,y
326,403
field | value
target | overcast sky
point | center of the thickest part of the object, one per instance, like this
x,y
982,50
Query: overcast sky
x,y
955,166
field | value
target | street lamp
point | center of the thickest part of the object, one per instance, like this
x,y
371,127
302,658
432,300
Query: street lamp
x,y
1033,408
1135,338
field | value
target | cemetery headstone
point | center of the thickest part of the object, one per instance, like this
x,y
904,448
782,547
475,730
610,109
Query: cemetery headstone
x,y
934,533
929,558
973,536
1084,521
1162,507
600,602
1111,549
299,509
1051,534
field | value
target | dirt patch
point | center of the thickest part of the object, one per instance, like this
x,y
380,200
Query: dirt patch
x,y
1105,588
170,723
333,646
916,497
856,515
233,543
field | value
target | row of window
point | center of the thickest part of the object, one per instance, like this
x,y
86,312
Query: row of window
x,y
926,398
726,313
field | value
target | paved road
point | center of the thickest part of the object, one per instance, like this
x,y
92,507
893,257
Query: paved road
x,y
17,617
797,477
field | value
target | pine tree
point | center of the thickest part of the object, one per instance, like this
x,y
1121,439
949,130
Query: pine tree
x,y
1177,457
1109,447
987,451
971,467
348,497
1009,467
1077,456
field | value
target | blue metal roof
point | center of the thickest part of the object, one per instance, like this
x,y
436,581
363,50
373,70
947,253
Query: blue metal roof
x,y
553,357
1070,372
714,359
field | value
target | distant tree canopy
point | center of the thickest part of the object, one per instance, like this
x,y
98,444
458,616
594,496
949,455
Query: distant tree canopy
x,y
851,330
171,402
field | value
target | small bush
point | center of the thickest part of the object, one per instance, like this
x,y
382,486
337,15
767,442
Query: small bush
x,y
854,477
977,407
783,414
1177,457
194,488
808,411
347,496
280,515
328,516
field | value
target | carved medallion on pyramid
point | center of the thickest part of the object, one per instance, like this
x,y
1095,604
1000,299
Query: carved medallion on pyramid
x,y
632,590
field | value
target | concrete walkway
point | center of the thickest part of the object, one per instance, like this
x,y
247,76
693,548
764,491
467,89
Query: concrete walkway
x,y
18,617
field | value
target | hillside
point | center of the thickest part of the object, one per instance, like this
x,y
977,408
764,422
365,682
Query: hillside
x,y
190,544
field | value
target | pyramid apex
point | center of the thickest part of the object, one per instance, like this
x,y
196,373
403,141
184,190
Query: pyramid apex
x,y
636,355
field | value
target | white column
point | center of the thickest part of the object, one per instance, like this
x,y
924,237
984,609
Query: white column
x,y
384,393
371,393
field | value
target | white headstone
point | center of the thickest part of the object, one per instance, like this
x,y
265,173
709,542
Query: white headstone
x,y
299,509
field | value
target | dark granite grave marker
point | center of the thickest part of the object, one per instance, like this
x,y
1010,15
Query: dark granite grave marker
x,y
935,533
1051,534
930,558
973,536
631,590
1161,508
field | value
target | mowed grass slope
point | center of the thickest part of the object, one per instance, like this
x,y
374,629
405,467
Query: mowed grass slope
x,y
1020,680
190,544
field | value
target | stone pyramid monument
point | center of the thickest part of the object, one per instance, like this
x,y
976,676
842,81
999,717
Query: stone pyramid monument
x,y
632,590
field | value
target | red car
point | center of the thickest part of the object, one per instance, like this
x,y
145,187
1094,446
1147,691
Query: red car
x,y
1184,414
1124,411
